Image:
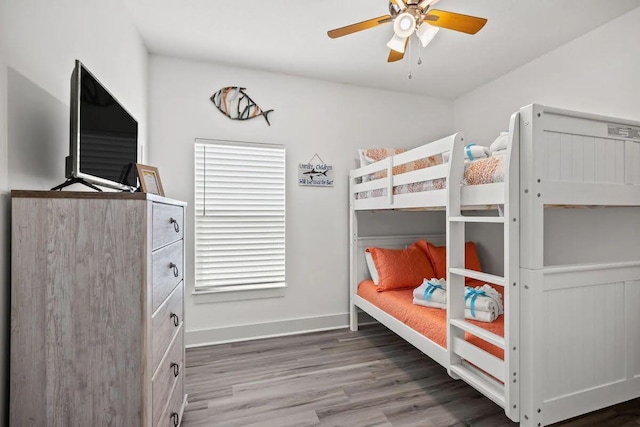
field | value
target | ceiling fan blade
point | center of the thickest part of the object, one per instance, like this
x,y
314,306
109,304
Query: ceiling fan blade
x,y
455,21
397,56
364,25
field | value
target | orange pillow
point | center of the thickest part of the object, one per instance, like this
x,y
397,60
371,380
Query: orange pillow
x,y
401,268
438,257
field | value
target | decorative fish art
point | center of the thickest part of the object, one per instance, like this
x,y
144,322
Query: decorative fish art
x,y
313,173
233,102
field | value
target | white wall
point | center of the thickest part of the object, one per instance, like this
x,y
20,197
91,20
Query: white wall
x,y
4,240
43,40
598,73
310,117
39,41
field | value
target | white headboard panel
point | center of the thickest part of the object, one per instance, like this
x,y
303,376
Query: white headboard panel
x,y
389,242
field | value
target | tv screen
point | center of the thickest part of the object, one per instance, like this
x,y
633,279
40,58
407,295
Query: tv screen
x,y
104,136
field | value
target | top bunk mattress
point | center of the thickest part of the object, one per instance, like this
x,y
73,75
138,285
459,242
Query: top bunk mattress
x,y
488,170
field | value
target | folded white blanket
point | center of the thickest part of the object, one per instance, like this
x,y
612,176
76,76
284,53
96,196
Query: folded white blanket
x,y
480,316
432,290
431,304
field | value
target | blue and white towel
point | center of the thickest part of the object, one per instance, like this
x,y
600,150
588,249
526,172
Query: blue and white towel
x,y
432,291
473,152
483,303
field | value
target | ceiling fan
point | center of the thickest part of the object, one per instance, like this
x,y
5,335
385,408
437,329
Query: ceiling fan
x,y
414,16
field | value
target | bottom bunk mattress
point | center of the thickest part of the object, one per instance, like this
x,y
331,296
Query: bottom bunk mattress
x,y
430,322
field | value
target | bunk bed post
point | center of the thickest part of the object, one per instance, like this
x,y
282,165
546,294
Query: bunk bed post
x,y
531,264
389,165
455,249
531,228
512,272
353,257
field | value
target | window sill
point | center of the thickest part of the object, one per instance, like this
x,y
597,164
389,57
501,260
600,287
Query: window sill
x,y
239,293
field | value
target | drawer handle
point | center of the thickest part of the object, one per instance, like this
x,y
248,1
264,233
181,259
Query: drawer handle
x,y
176,226
174,267
176,319
176,369
175,418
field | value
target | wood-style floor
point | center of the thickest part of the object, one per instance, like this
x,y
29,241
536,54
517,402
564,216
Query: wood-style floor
x,y
342,378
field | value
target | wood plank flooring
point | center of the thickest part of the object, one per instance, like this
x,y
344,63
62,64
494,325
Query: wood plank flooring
x,y
342,378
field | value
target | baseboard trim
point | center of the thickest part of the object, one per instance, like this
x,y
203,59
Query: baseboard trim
x,y
229,334
255,331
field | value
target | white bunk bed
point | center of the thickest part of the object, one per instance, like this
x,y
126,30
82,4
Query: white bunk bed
x,y
554,158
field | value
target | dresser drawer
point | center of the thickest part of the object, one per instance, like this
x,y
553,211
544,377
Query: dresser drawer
x,y
168,224
165,323
168,374
167,271
172,415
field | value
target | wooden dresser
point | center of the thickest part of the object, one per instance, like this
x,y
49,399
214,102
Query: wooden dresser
x,y
97,309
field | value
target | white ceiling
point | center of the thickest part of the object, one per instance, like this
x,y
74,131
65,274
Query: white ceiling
x,y
290,37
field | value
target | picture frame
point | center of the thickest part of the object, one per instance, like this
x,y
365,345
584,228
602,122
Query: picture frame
x,y
149,179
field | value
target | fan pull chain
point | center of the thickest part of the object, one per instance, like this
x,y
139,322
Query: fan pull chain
x,y
410,62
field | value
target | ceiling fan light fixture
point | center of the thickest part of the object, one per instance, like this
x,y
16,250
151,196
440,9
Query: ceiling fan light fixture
x,y
404,25
408,17
426,3
397,43
426,33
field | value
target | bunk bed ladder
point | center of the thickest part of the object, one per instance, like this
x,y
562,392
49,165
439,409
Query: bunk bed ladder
x,y
496,378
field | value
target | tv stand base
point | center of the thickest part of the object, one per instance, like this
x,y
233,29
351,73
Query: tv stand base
x,y
70,181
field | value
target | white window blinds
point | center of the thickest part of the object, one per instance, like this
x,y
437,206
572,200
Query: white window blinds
x,y
240,215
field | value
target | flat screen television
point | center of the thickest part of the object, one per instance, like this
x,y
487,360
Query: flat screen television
x,y
103,136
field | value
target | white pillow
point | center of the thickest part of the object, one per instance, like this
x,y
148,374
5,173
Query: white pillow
x,y
372,268
445,157
500,142
364,161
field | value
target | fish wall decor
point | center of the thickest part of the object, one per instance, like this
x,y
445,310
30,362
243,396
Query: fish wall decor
x,y
233,102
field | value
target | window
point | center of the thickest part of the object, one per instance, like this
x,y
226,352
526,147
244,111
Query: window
x,y
240,216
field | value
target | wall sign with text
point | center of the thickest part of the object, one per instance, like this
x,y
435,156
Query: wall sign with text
x,y
315,174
